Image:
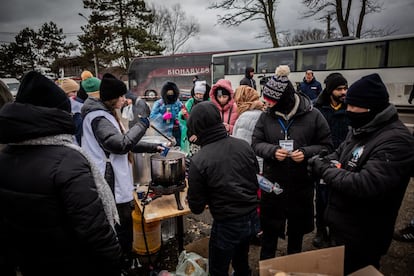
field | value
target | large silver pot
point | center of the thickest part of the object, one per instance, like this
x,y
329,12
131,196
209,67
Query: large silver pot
x,y
142,161
169,170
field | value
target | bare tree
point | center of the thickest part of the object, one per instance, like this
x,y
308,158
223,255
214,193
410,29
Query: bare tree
x,y
303,37
343,10
240,11
173,27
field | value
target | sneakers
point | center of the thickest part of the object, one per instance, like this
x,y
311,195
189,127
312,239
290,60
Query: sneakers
x,y
405,235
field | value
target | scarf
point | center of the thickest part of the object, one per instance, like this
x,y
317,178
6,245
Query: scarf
x,y
103,189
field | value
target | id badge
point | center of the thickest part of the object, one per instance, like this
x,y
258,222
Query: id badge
x,y
286,144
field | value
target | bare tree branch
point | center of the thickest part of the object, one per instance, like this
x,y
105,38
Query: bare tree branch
x,y
240,11
343,10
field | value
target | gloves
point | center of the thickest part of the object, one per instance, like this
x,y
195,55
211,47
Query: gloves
x,y
320,165
145,122
317,165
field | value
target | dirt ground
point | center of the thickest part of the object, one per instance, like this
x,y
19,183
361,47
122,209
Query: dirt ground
x,y
398,262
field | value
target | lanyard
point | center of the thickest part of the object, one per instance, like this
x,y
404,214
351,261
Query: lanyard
x,y
285,128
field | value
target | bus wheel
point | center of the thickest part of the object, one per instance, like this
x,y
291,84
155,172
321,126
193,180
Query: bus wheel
x,y
152,94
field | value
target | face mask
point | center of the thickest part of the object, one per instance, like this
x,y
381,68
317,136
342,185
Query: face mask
x,y
171,98
357,120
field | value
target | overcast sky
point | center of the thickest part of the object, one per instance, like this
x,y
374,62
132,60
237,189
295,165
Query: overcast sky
x,y
18,14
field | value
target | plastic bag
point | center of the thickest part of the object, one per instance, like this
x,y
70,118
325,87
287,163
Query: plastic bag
x,y
128,113
191,264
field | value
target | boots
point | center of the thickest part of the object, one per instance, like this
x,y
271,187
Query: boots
x,y
321,238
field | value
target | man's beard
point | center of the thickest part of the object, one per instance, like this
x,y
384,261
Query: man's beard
x,y
338,99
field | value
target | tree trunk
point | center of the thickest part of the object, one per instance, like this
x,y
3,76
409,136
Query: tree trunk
x,y
361,18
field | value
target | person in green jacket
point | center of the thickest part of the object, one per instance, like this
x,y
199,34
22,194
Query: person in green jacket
x,y
199,93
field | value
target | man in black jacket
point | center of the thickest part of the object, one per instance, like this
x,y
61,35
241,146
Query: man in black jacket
x,y
248,78
57,214
367,175
222,175
285,136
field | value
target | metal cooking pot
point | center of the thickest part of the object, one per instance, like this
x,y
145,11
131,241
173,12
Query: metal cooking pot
x,y
169,170
142,161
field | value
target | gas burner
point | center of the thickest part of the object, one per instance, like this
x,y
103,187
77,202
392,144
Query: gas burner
x,y
175,188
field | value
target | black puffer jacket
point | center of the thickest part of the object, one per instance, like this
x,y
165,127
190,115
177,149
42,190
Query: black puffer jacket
x,y
366,193
311,134
222,174
52,220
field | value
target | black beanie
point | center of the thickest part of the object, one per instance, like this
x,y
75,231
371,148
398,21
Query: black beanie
x,y
368,92
333,81
38,90
111,87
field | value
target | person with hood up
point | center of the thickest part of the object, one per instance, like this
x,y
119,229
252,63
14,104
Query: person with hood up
x,y
108,143
331,103
248,78
199,93
57,212
310,86
164,112
367,175
231,197
221,94
285,136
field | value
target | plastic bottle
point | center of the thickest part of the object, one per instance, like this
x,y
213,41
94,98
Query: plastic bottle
x,y
268,186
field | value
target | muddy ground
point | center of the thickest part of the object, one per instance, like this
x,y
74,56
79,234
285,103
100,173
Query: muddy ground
x,y
398,262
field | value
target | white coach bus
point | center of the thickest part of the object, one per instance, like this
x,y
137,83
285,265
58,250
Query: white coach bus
x,y
391,57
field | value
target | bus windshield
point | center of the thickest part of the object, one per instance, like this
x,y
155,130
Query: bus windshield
x,y
148,74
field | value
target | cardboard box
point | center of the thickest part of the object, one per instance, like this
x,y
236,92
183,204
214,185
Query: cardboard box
x,y
367,271
329,261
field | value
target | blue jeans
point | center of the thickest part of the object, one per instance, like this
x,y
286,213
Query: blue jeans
x,y
229,242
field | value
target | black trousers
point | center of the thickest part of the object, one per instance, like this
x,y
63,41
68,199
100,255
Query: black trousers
x,y
124,230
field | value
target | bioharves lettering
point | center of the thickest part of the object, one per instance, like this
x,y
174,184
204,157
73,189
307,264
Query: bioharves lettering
x,y
188,71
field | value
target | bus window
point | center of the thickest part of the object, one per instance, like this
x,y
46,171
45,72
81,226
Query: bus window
x,y
238,64
325,58
218,72
395,58
367,55
267,62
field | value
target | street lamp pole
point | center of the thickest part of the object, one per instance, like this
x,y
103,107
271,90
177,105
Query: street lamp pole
x,y
95,59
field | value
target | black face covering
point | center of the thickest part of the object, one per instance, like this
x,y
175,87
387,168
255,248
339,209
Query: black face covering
x,y
357,120
171,99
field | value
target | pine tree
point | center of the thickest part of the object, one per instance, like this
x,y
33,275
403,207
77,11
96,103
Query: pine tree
x,y
117,30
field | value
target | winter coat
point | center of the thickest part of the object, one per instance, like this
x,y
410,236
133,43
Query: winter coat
x,y
102,132
311,89
337,119
76,105
366,193
52,220
248,80
228,112
222,174
244,126
311,134
170,127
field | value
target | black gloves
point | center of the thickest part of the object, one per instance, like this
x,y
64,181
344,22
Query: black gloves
x,y
319,165
145,122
